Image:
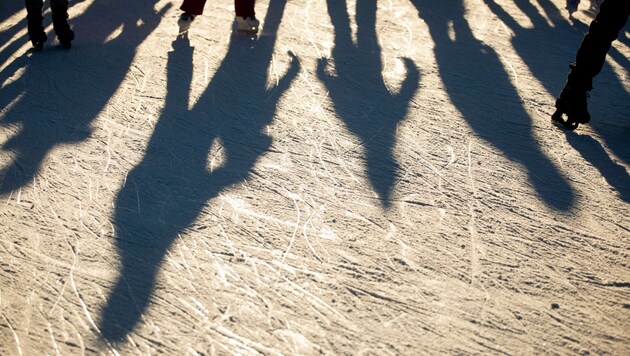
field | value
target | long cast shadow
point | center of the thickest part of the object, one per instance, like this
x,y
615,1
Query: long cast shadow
x,y
61,92
359,93
547,43
169,188
9,31
480,88
10,8
592,151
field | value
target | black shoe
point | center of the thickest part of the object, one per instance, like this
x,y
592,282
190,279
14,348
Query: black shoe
x,y
572,103
37,45
38,41
38,38
65,39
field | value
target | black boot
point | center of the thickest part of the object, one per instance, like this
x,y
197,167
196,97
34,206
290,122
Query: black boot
x,y
65,38
64,34
572,103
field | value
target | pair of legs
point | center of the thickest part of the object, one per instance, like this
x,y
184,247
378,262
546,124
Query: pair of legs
x,y
589,61
34,18
245,15
244,8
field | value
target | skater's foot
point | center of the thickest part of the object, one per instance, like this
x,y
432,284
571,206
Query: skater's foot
x,y
247,24
65,39
572,104
184,22
38,46
38,40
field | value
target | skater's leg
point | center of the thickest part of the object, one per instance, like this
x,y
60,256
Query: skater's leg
x,y
193,7
602,32
34,19
589,61
60,22
246,16
245,8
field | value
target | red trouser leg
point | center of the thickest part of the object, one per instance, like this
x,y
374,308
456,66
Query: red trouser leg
x,y
244,8
194,7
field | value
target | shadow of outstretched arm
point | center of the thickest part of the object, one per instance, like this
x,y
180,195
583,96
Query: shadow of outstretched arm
x,y
360,96
53,115
172,185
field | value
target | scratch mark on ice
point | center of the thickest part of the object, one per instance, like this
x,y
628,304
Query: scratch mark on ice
x,y
297,224
15,336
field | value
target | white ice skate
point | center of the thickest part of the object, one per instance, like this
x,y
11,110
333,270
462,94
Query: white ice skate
x,y
184,22
247,24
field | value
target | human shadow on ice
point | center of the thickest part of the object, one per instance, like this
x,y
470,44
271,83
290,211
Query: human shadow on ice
x,y
168,189
593,152
480,88
547,44
9,9
8,35
558,39
61,92
360,96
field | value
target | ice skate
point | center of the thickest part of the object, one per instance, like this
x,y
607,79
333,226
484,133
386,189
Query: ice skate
x,y
572,104
38,45
65,40
247,24
38,40
184,22
65,37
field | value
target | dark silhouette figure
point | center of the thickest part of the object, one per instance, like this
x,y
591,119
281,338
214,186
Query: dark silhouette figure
x,y
169,188
559,41
479,87
61,110
360,96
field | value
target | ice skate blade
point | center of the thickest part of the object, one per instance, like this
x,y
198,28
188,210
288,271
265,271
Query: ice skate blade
x,y
557,120
183,30
247,31
184,25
